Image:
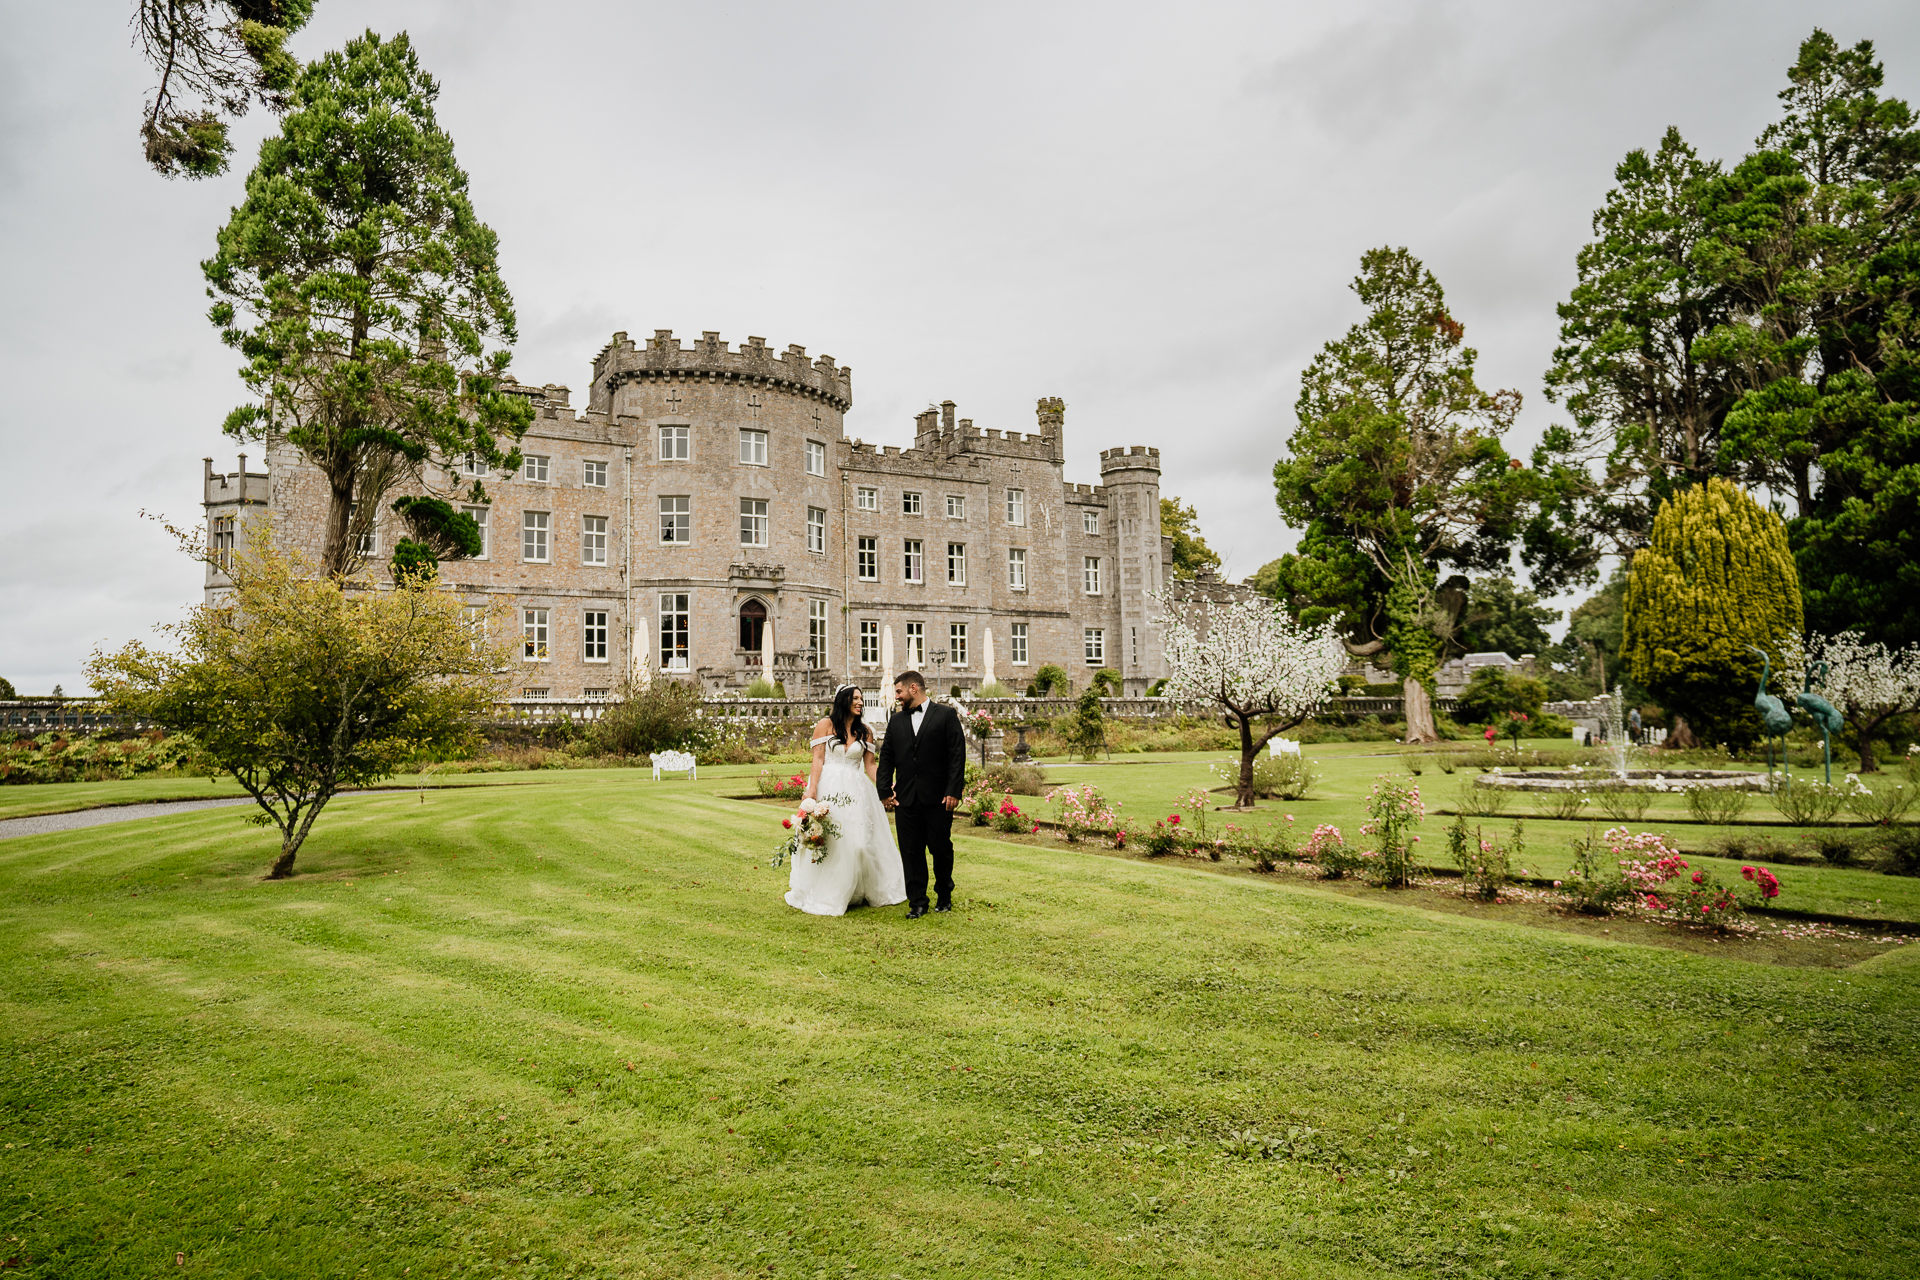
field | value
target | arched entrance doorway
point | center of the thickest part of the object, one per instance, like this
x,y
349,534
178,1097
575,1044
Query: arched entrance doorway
x,y
753,625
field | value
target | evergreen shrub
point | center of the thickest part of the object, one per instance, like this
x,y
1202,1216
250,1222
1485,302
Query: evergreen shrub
x,y
1717,577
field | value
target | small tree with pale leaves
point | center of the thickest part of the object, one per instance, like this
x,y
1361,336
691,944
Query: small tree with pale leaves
x,y
1263,670
301,686
1866,682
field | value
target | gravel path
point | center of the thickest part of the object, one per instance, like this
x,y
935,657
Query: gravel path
x,y
42,824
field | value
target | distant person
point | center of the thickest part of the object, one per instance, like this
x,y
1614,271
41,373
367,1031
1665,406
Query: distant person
x,y
1633,726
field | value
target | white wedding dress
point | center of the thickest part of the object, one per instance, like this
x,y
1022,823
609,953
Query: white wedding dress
x,y
862,862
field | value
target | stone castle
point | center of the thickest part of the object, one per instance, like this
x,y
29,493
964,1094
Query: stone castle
x,y
706,517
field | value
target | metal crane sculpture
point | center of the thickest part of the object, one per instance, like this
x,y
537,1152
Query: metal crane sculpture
x,y
1775,716
1823,713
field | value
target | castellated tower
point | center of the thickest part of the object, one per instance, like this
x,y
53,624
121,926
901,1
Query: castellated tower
x,y
1131,478
738,446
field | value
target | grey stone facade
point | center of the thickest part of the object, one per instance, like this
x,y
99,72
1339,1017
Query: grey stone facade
x,y
708,512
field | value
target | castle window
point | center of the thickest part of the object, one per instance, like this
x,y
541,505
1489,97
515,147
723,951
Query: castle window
x,y
472,464
676,520
475,616
221,544
593,475
957,644
534,695
533,536
1090,575
479,517
1017,644
816,458
1096,645
909,504
916,638
956,506
1089,521
595,695
1017,568
753,447
1017,507
534,467
915,561
816,634
866,499
364,542
593,631
753,626
753,522
956,564
673,631
593,539
817,530
676,444
533,635
1133,640
868,558
869,644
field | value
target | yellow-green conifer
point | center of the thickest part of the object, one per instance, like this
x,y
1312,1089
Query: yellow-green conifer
x,y
1716,578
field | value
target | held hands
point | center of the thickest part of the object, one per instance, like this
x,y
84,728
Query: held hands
x,y
890,803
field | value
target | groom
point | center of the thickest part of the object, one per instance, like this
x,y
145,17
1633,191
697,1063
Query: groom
x,y
926,750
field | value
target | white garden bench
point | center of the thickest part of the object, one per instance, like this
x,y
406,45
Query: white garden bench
x,y
674,762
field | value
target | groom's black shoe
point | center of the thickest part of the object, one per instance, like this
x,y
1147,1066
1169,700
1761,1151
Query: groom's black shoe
x,y
918,910
944,906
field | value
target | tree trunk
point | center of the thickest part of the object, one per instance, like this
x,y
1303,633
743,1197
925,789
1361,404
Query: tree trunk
x,y
293,832
1865,731
1419,712
333,551
1243,799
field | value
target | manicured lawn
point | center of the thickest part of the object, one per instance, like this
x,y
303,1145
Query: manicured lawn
x,y
21,801
570,1029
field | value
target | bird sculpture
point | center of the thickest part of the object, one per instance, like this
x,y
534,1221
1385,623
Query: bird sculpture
x,y
1824,714
1774,715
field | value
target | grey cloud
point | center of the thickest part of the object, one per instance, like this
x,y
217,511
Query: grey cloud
x,y
1152,212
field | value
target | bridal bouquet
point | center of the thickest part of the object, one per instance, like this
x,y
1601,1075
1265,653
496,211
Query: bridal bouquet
x,y
810,824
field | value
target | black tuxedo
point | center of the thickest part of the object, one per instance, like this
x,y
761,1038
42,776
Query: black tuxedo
x,y
920,770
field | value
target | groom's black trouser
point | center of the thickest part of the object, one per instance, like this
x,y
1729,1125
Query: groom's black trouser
x,y
925,828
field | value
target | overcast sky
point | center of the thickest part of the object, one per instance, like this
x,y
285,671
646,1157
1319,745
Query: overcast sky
x,y
1150,210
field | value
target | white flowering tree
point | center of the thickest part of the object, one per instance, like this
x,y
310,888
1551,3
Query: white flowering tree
x,y
1263,670
1866,682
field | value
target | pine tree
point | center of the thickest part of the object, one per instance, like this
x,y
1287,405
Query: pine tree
x,y
1717,578
365,295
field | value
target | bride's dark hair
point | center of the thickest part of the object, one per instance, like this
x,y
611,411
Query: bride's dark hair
x,y
842,714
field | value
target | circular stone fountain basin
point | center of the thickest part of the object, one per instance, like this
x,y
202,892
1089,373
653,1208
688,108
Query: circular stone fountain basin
x,y
1636,779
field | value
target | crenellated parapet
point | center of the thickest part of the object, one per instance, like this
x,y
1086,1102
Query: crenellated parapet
x,y
242,488
927,464
937,432
1136,458
709,359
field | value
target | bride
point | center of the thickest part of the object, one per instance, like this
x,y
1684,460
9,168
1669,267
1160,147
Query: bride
x,y
862,863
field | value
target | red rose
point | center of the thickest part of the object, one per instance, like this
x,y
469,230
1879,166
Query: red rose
x,y
787,823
